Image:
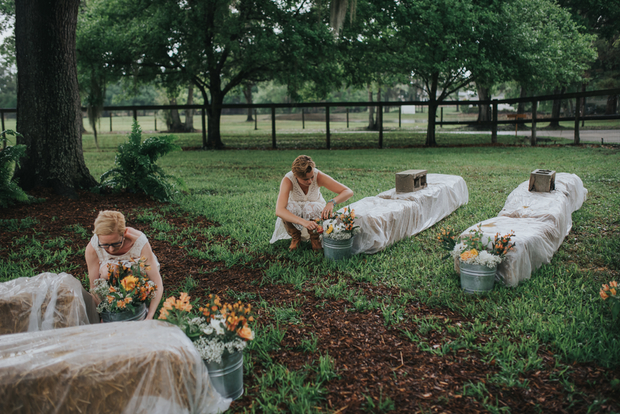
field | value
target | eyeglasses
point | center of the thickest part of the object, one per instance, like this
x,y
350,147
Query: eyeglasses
x,y
114,245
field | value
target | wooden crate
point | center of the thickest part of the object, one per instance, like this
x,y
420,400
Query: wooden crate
x,y
410,180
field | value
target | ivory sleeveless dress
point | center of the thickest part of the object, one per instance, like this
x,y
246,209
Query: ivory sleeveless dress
x,y
307,206
133,253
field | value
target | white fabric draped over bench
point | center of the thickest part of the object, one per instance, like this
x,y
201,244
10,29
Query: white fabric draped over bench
x,y
390,216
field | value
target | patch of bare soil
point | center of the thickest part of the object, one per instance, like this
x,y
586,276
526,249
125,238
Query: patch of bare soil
x,y
372,360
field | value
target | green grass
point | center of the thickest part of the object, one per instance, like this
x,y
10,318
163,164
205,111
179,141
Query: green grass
x,y
558,309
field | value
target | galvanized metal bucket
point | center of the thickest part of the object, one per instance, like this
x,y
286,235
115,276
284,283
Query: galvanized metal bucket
x,y
137,314
337,249
477,278
227,377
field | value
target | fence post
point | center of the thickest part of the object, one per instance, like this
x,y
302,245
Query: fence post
x,y
273,127
380,120
204,128
534,109
135,114
577,114
303,118
494,126
347,118
400,109
441,119
255,121
3,129
329,144
155,118
110,121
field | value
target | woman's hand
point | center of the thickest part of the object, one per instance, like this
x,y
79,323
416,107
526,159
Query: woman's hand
x,y
327,211
310,225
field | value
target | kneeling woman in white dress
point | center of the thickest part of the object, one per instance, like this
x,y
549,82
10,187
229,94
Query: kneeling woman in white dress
x,y
300,203
113,241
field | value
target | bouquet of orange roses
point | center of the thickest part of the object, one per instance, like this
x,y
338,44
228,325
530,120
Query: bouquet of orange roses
x,y
216,328
126,288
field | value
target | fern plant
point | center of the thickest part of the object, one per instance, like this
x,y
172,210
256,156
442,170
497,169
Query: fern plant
x,y
10,192
135,169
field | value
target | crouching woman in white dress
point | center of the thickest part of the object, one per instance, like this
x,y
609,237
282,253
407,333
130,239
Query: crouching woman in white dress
x,y
300,203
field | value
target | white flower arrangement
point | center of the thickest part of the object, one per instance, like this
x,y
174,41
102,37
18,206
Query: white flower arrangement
x,y
473,249
340,227
482,257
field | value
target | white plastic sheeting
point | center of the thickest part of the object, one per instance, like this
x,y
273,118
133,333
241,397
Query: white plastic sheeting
x,y
148,367
540,221
390,216
42,302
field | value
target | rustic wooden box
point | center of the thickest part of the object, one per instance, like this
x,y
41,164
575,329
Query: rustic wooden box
x,y
410,180
542,181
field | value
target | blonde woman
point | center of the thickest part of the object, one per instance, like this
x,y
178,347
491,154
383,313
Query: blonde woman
x,y
300,202
113,241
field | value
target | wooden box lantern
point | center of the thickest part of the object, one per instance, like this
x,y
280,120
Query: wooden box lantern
x,y
542,181
410,180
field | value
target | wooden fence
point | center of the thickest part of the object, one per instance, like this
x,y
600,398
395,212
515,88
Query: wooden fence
x,y
578,116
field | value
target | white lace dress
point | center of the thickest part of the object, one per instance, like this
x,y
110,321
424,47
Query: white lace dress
x,y
307,206
133,253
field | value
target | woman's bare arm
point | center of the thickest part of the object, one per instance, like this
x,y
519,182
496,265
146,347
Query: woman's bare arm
x,y
344,192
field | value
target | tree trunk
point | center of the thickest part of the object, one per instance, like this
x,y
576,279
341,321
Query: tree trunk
x,y
214,115
173,120
557,106
189,113
432,112
371,111
247,93
521,106
484,111
48,99
612,105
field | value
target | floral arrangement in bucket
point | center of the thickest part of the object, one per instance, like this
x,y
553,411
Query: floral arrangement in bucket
x,y
217,329
126,288
610,291
472,249
339,226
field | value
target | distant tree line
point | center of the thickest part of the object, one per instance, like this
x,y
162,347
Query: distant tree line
x,y
216,50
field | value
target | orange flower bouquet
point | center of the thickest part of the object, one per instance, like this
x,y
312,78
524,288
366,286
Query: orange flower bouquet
x,y
216,329
610,291
473,249
126,288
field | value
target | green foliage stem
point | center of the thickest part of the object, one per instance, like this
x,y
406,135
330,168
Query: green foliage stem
x,y
10,192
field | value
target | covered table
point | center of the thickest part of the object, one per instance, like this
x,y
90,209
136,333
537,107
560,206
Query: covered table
x,y
145,367
391,216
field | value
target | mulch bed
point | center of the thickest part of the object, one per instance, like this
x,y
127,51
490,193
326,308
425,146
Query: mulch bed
x,y
372,360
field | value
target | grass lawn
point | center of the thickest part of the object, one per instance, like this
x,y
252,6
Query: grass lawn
x,y
556,316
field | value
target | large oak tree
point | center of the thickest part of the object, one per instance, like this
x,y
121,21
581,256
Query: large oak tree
x,y
48,101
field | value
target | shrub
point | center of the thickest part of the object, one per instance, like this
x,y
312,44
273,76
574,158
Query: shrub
x,y
135,168
10,192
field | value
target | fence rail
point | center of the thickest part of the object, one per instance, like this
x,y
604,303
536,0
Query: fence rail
x,y
578,117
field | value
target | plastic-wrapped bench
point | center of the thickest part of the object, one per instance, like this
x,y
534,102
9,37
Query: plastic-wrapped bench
x,y
148,367
391,216
540,221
